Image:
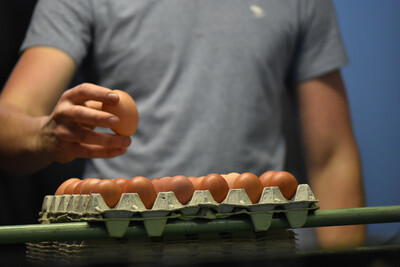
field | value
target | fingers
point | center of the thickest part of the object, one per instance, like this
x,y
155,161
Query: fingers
x,y
93,104
77,142
79,150
94,151
75,134
82,105
87,91
88,116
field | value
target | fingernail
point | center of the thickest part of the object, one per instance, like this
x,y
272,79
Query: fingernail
x,y
113,121
114,98
126,141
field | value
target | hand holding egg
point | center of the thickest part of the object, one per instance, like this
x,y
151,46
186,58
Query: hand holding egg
x,y
68,133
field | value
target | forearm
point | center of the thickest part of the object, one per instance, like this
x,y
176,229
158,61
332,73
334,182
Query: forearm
x,y
20,141
337,183
332,155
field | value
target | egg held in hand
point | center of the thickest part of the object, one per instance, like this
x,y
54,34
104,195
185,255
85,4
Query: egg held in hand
x,y
126,111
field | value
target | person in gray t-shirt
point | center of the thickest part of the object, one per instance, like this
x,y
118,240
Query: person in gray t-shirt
x,y
209,79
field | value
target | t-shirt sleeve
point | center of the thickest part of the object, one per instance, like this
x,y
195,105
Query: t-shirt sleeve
x,y
62,24
320,47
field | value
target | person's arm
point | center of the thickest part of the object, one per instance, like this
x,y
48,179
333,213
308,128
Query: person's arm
x,y
332,156
41,123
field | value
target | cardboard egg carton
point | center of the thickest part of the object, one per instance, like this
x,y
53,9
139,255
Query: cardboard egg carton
x,y
68,208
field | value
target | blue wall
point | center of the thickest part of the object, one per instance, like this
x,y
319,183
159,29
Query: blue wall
x,y
371,33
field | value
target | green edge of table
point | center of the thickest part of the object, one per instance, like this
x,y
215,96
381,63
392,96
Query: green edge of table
x,y
97,230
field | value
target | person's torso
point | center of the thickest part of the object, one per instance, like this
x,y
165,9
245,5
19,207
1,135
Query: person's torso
x,y
207,77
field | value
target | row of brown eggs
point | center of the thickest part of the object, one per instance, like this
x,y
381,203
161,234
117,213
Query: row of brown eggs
x,y
182,186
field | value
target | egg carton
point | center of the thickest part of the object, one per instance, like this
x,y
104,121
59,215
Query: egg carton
x,y
69,208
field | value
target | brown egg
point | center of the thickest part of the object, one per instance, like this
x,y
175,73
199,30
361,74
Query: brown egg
x,y
286,182
126,111
217,186
230,178
144,188
265,177
78,187
61,188
88,185
160,184
192,178
196,182
182,188
69,189
121,182
109,190
155,182
251,184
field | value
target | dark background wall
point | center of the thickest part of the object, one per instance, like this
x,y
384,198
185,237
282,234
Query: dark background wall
x,y
14,17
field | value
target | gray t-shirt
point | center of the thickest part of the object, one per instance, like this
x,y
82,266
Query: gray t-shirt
x,y
208,76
